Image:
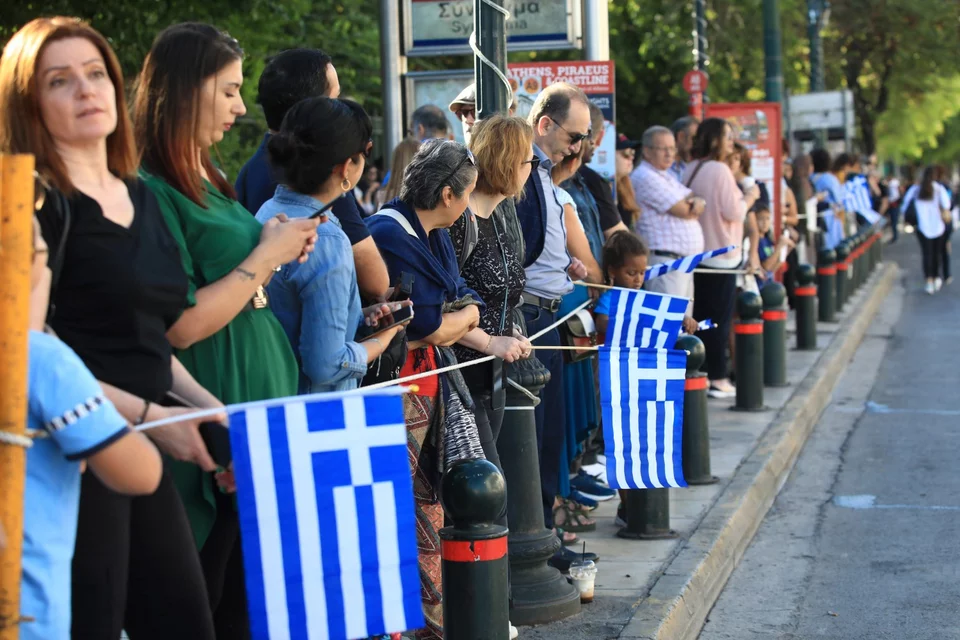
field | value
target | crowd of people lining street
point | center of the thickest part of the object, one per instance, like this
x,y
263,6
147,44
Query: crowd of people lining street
x,y
160,286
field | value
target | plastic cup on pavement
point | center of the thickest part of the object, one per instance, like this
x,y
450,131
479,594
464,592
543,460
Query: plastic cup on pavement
x,y
584,574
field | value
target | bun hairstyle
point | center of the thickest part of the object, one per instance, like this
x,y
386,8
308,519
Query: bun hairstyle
x,y
619,248
317,134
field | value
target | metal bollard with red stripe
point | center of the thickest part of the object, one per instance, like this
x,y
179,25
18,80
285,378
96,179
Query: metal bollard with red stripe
x,y
696,430
843,266
474,553
774,296
749,353
806,293
826,285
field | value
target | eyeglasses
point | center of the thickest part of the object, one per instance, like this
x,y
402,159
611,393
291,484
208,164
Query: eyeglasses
x,y
628,153
664,149
534,163
575,138
469,157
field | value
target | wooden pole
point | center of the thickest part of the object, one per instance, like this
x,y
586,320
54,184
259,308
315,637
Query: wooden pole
x,y
16,249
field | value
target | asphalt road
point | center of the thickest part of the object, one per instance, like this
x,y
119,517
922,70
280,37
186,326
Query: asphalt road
x,y
864,540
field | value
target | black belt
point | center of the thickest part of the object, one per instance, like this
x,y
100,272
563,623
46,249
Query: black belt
x,y
668,254
551,305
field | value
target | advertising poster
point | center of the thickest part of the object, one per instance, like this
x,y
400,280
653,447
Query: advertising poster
x,y
757,126
528,80
597,81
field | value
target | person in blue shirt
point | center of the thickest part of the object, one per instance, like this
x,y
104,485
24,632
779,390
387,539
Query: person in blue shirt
x,y
829,178
72,422
289,77
769,250
319,155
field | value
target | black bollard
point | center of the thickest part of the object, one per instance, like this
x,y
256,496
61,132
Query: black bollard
x,y
696,430
539,593
843,257
806,293
749,357
474,553
859,266
648,515
826,285
774,295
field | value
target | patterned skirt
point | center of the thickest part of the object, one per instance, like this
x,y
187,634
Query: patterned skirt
x,y
419,410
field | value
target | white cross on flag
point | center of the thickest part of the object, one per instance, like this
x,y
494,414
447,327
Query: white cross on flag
x,y
327,517
644,319
641,402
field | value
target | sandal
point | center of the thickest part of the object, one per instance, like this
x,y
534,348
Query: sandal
x,y
567,538
574,520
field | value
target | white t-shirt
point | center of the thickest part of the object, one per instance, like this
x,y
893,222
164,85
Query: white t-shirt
x,y
929,221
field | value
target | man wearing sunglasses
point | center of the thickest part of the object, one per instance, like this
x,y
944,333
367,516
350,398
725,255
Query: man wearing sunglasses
x,y
464,106
289,77
561,122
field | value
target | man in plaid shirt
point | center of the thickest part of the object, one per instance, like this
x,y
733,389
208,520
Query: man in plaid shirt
x,y
670,219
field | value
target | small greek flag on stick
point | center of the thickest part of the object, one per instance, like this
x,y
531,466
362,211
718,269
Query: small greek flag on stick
x,y
684,265
644,319
703,325
327,517
641,401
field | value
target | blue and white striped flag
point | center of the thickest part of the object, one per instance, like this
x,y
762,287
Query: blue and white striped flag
x,y
644,319
857,198
684,265
641,402
327,517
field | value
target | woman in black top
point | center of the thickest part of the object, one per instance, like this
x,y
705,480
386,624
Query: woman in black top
x,y
503,147
118,286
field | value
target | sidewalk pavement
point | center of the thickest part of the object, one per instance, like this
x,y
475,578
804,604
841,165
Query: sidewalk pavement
x,y
664,589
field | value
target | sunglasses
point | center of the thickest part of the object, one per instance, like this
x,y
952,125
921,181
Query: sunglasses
x,y
468,157
534,163
575,138
466,112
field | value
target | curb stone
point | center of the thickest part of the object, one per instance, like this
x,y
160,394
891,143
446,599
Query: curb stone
x,y
680,600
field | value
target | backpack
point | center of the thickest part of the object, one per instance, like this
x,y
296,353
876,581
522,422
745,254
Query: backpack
x,y
471,235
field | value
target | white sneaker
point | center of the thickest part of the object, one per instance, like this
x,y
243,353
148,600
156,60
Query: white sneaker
x,y
513,632
938,284
930,288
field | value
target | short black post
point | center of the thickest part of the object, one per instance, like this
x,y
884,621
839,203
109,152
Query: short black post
x,y
826,285
843,264
474,553
806,293
749,357
696,425
774,296
859,268
540,594
648,515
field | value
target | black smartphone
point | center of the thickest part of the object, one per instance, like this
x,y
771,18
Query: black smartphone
x,y
402,315
322,213
216,437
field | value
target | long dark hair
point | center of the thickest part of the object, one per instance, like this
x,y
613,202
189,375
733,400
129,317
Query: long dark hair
x,y
166,111
926,184
708,143
318,134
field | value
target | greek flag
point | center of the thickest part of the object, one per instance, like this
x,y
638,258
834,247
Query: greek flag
x,y
644,319
641,402
703,325
684,265
327,517
857,198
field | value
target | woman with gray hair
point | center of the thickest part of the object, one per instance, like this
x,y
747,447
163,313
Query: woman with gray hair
x,y
411,233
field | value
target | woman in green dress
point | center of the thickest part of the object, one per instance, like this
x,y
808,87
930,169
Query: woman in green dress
x,y
187,98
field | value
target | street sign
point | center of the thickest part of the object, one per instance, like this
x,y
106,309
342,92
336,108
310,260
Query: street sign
x,y
443,27
695,81
820,111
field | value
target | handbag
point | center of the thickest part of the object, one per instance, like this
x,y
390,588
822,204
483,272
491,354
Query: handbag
x,y
387,367
910,213
579,331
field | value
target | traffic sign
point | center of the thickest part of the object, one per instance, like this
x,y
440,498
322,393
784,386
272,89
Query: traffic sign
x,y
695,81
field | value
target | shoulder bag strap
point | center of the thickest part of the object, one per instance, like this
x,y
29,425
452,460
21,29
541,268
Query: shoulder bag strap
x,y
399,219
695,172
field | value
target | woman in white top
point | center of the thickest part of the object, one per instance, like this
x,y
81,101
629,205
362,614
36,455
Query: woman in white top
x,y
933,212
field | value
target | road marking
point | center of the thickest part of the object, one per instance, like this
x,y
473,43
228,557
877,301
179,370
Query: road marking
x,y
867,501
876,407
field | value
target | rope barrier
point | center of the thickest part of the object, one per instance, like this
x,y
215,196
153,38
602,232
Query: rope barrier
x,y
15,440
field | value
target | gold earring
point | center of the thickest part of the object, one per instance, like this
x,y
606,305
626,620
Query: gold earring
x,y
345,185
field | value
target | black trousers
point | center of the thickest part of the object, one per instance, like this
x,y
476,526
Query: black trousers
x,y
714,300
945,251
222,560
932,249
135,567
551,412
